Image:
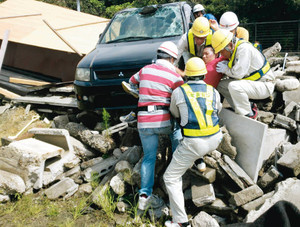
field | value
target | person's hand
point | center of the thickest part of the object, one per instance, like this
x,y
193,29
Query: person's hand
x,y
179,71
214,24
222,67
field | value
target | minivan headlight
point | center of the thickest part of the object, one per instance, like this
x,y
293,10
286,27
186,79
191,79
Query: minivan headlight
x,y
83,74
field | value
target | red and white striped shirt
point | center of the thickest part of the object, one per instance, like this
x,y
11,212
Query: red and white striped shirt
x,y
156,84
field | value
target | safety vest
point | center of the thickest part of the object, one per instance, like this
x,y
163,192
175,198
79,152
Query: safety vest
x,y
203,119
191,42
256,75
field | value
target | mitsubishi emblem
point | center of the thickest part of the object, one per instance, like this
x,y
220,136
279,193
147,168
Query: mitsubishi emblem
x,y
121,74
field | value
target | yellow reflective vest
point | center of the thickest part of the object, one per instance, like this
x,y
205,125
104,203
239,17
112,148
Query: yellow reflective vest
x,y
256,75
191,42
203,119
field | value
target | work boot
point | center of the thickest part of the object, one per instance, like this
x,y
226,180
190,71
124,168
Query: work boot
x,y
130,89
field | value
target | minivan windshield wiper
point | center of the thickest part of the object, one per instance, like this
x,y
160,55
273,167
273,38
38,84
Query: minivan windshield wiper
x,y
130,38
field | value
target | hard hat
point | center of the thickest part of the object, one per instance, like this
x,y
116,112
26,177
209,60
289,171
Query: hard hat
x,y
201,27
170,48
229,21
195,67
220,39
198,8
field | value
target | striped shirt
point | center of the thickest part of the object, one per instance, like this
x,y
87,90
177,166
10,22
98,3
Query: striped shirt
x,y
156,83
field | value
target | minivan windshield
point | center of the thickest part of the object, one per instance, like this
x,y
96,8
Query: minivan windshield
x,y
162,21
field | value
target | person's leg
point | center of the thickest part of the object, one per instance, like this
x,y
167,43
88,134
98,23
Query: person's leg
x,y
223,89
150,143
243,90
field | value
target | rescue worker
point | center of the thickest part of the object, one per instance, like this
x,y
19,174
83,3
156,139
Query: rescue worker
x,y
250,76
197,105
156,83
229,21
199,11
192,43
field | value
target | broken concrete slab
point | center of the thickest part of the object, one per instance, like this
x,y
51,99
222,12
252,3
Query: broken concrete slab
x,y
287,190
225,147
289,96
293,67
289,163
244,196
27,158
81,150
285,122
11,184
270,178
64,188
257,203
252,148
203,219
202,193
117,184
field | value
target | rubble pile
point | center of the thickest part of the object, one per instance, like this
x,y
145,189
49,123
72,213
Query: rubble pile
x,y
256,164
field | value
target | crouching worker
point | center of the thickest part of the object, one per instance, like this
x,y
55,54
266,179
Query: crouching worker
x,y
197,105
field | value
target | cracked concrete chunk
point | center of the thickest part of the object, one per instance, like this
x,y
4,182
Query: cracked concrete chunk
x,y
289,163
203,219
64,188
248,194
10,183
202,193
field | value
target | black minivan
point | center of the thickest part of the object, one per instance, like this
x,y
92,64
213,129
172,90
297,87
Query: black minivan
x,y
128,43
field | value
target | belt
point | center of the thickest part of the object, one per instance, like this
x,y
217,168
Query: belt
x,y
152,108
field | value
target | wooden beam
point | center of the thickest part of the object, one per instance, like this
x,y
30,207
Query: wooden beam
x,y
80,25
25,15
9,94
27,81
65,41
3,46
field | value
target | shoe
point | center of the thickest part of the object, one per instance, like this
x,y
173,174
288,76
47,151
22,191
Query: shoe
x,y
130,89
173,224
152,201
129,117
254,112
200,164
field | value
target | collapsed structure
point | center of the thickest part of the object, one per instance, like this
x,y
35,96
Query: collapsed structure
x,y
256,164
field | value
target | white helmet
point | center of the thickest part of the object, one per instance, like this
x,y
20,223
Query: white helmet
x,y
198,8
229,21
170,48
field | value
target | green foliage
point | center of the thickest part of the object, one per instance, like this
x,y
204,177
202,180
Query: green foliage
x,y
106,118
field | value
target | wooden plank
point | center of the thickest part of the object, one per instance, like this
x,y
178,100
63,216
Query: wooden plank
x,y
8,94
65,41
27,81
53,100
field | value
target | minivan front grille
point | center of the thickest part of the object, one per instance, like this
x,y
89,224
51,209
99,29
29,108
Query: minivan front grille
x,y
113,74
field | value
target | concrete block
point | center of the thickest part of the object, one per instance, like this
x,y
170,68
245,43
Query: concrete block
x,y
81,150
101,168
64,188
289,163
57,137
285,122
203,219
254,141
225,146
27,158
289,96
202,193
257,203
244,196
218,207
117,184
209,175
269,178
11,184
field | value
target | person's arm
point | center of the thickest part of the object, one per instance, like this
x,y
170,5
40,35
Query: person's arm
x,y
135,79
241,63
214,24
182,46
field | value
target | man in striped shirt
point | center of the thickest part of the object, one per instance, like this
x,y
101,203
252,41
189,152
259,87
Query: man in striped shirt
x,y
156,83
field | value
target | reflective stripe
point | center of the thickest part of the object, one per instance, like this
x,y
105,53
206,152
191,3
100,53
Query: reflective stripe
x,y
256,75
205,127
201,132
191,42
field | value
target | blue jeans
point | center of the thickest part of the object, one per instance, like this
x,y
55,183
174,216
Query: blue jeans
x,y
175,136
149,139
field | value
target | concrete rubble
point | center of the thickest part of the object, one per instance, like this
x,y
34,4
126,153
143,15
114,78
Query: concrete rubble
x,y
256,164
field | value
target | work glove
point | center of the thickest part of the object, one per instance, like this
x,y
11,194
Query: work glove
x,y
222,67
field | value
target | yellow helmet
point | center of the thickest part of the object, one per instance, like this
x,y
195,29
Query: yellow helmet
x,y
195,67
201,27
220,39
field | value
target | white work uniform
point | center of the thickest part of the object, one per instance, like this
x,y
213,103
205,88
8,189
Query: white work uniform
x,y
237,91
183,50
189,150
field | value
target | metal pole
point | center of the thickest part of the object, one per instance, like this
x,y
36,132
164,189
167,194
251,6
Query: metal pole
x,y
78,5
